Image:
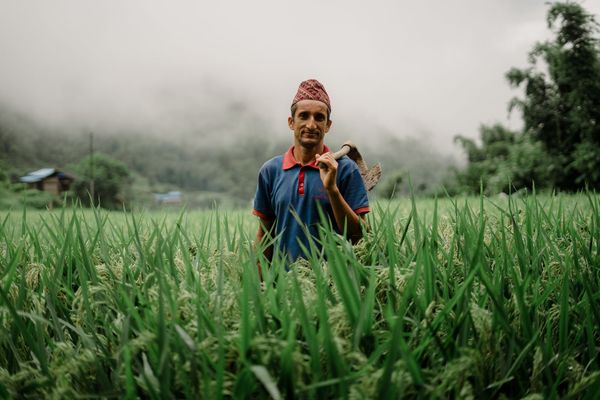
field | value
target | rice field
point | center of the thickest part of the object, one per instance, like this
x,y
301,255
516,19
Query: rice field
x,y
456,298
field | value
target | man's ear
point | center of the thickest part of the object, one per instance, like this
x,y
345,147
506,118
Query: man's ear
x,y
291,122
328,125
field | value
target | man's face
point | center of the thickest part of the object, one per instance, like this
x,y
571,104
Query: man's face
x,y
309,123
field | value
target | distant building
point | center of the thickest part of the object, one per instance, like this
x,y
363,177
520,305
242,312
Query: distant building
x,y
168,198
48,180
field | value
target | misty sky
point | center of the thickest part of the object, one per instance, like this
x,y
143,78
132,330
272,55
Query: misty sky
x,y
408,68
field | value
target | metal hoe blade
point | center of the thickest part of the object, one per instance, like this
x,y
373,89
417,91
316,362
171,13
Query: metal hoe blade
x,y
370,176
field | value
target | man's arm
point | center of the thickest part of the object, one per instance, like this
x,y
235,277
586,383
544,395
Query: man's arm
x,y
343,213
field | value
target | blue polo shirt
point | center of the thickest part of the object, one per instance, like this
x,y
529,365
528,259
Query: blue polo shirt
x,y
285,185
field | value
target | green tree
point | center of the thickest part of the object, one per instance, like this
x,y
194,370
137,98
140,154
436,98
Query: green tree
x,y
484,160
111,181
561,107
504,161
4,172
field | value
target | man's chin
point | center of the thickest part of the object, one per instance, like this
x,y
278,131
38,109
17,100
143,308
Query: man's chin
x,y
310,142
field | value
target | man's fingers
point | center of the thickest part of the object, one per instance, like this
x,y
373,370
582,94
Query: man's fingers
x,y
320,161
325,160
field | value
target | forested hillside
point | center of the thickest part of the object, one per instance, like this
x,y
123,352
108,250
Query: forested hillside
x,y
200,162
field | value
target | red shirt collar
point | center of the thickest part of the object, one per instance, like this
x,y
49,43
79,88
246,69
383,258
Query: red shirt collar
x,y
289,161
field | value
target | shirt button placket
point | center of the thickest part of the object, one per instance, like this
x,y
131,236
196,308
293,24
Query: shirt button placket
x,y
301,182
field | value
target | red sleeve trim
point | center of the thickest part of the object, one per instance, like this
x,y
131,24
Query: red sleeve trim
x,y
261,214
362,210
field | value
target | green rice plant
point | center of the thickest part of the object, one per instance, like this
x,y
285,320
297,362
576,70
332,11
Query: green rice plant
x,y
457,297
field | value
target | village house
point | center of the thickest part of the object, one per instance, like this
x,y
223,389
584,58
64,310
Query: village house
x,y
49,180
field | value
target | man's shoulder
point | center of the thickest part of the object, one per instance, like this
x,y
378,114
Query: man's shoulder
x,y
273,164
346,165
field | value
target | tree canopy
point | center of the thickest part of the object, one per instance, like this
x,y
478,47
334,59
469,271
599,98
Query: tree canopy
x,y
110,179
560,143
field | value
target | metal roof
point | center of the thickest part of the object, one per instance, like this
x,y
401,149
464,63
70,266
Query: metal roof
x,y
37,176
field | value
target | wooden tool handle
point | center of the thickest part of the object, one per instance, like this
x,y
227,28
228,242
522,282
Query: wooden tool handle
x,y
342,152
339,154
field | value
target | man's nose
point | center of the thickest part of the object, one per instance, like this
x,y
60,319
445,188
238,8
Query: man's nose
x,y
311,123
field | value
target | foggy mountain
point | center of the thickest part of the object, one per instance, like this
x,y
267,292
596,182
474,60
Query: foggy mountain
x,y
218,150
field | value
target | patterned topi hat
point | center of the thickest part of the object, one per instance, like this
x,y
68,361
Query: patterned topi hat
x,y
312,89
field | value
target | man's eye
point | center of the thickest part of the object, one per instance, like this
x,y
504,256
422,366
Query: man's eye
x,y
303,115
320,117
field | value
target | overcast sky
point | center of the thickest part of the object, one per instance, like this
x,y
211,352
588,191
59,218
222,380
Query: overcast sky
x,y
411,68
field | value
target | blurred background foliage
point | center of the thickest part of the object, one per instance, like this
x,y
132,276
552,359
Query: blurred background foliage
x,y
111,181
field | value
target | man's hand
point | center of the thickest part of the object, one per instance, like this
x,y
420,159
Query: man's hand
x,y
328,171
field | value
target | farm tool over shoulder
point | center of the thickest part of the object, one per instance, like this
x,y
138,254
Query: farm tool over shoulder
x,y
370,176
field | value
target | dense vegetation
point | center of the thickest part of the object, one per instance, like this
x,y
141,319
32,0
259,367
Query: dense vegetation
x,y
559,147
463,298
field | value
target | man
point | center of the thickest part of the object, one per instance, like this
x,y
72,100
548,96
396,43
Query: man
x,y
307,178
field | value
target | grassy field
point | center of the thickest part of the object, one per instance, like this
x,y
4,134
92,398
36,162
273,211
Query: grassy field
x,y
461,298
